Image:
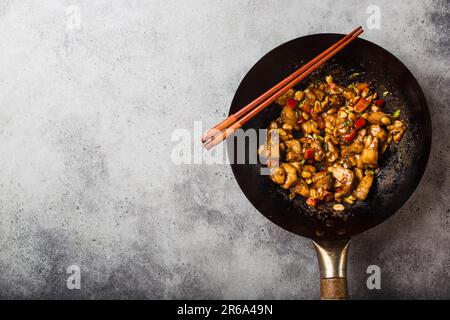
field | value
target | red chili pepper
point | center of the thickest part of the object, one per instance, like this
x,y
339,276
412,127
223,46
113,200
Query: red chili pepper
x,y
360,123
361,105
309,153
292,103
306,108
351,136
320,122
379,102
311,202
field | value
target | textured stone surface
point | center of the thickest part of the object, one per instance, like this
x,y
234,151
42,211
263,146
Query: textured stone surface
x,y
86,176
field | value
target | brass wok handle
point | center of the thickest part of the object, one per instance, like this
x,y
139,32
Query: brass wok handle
x,y
332,256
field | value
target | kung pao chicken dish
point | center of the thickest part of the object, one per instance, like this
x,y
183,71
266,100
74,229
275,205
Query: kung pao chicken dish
x,y
329,140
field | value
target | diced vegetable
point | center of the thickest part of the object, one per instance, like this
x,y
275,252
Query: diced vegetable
x,y
351,136
361,105
360,123
292,103
306,108
309,153
396,113
379,102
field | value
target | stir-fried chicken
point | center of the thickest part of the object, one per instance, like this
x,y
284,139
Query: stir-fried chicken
x,y
330,138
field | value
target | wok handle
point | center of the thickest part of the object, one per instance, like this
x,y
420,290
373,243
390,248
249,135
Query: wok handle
x,y
332,256
333,289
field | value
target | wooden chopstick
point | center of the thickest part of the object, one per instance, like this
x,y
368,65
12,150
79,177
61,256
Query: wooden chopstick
x,y
236,116
227,127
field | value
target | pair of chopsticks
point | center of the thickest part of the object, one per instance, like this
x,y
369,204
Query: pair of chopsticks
x,y
227,127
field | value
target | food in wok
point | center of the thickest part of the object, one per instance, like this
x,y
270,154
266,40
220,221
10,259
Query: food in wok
x,y
329,141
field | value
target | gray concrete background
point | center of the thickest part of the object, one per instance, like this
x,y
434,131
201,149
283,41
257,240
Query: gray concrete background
x,y
86,176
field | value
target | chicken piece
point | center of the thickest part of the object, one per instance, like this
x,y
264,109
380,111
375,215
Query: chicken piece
x,y
322,180
330,122
359,163
310,127
289,116
278,175
377,117
282,100
377,131
293,145
332,152
320,194
359,173
301,188
319,154
344,181
296,165
294,150
330,128
357,145
284,135
291,175
361,135
369,155
292,156
363,188
397,130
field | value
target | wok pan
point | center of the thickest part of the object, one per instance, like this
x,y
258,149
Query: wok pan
x,y
402,165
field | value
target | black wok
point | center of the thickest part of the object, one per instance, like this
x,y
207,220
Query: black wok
x,y
402,166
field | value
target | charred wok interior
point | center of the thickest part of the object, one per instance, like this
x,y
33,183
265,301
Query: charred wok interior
x,y
330,137
402,164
